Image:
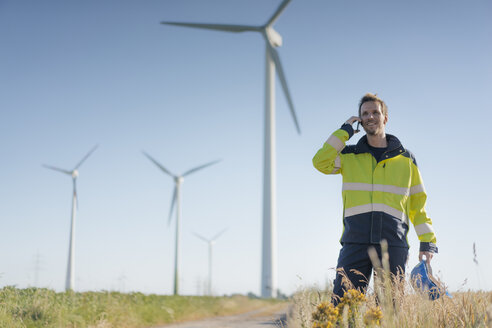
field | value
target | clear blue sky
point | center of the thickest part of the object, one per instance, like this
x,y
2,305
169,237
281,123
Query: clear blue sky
x,y
78,73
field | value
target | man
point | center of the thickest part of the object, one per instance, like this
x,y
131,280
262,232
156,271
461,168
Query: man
x,y
382,191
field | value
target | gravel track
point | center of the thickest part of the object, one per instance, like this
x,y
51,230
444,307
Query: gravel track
x,y
253,319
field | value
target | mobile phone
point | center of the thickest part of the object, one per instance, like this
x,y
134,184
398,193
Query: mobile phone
x,y
357,128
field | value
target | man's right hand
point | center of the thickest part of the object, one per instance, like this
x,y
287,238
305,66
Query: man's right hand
x,y
352,120
428,256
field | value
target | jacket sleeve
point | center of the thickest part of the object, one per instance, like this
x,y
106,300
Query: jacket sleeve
x,y
327,160
417,214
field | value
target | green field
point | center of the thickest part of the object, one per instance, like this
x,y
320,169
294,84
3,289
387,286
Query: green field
x,y
35,307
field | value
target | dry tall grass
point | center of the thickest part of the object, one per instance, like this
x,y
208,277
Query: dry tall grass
x,y
389,303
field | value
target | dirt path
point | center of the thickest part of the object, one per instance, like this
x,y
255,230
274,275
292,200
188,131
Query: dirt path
x,y
253,319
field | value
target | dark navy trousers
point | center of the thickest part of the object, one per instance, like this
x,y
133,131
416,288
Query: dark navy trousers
x,y
356,257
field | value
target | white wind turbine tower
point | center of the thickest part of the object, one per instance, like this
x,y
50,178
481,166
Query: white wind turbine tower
x,y
69,285
176,199
272,40
210,243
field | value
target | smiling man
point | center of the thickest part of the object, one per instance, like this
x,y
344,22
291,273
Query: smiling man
x,y
382,192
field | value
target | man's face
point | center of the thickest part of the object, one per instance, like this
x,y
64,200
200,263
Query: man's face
x,y
372,117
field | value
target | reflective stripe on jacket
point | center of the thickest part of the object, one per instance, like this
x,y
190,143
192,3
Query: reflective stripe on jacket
x,y
379,198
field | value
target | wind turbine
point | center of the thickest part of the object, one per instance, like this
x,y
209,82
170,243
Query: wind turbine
x,y
176,199
69,284
210,243
272,39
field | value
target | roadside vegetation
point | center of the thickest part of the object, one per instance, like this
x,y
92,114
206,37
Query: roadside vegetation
x,y
312,309
38,307
390,302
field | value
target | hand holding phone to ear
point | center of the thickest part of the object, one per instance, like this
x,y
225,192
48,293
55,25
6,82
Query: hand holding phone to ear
x,y
352,120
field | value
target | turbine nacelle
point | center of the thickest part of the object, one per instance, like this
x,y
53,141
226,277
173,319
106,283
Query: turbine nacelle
x,y
75,174
272,36
179,180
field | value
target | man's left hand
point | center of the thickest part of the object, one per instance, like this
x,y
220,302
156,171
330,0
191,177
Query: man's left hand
x,y
428,256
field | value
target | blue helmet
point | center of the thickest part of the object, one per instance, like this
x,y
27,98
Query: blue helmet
x,y
422,278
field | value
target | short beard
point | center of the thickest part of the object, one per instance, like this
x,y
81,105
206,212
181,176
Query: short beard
x,y
375,132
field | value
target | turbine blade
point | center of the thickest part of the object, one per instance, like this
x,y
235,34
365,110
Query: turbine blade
x,y
277,13
159,165
201,237
57,169
217,27
283,82
173,201
219,234
86,156
199,168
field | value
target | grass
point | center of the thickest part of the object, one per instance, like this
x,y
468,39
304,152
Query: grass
x,y
465,309
37,307
389,303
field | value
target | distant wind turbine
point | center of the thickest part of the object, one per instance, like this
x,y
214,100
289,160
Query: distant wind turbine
x,y
272,40
69,284
176,199
210,243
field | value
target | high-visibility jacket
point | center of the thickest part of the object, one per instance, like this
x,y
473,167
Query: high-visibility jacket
x,y
379,198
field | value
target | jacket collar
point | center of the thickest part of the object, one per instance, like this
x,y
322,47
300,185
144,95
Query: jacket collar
x,y
393,145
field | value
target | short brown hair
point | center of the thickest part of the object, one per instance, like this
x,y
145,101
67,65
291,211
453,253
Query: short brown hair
x,y
373,97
